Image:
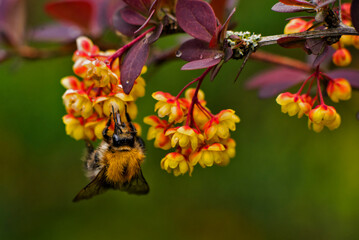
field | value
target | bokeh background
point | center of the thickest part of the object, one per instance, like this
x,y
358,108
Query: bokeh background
x,y
286,182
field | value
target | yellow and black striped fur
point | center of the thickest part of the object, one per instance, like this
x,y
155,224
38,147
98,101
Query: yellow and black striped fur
x,y
116,163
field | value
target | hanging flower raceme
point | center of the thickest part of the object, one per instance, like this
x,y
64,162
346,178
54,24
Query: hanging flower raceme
x,y
192,131
321,115
89,101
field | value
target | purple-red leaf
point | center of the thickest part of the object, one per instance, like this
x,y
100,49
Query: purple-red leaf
x,y
195,49
55,33
216,69
76,12
199,64
300,3
323,4
350,74
274,81
121,25
146,22
196,18
291,42
223,30
322,56
354,12
140,5
133,63
155,34
280,7
131,16
315,45
12,21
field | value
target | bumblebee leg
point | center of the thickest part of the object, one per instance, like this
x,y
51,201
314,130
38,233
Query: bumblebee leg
x,y
106,137
128,118
89,147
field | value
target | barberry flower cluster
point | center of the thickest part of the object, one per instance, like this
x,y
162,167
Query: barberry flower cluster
x,y
321,115
196,135
89,101
341,56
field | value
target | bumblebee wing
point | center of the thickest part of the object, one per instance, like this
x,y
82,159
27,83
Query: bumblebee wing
x,y
137,185
97,186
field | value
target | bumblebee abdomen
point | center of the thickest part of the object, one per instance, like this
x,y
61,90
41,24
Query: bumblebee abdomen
x,y
122,166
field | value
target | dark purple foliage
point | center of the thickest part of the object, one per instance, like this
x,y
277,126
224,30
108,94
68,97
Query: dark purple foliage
x,y
350,74
354,12
301,3
199,64
274,81
75,12
196,18
215,70
280,7
321,56
131,16
291,42
223,29
133,63
122,26
91,16
55,33
12,21
323,4
195,49
155,34
315,45
142,6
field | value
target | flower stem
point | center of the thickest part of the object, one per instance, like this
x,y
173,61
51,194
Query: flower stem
x,y
185,87
195,96
319,90
304,83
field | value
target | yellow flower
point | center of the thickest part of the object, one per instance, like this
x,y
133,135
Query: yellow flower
x,y
230,152
342,57
221,124
71,82
209,155
78,128
169,105
138,89
294,104
157,132
95,70
185,137
85,48
323,115
177,163
104,104
339,89
77,103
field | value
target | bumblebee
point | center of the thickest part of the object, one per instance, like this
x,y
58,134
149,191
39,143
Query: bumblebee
x,y
116,163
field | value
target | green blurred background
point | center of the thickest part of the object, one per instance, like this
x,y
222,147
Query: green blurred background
x,y
286,181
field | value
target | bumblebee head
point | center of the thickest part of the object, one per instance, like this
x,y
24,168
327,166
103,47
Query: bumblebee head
x,y
122,136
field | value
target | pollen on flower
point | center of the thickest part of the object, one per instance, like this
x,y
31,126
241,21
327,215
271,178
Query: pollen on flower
x,y
90,100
